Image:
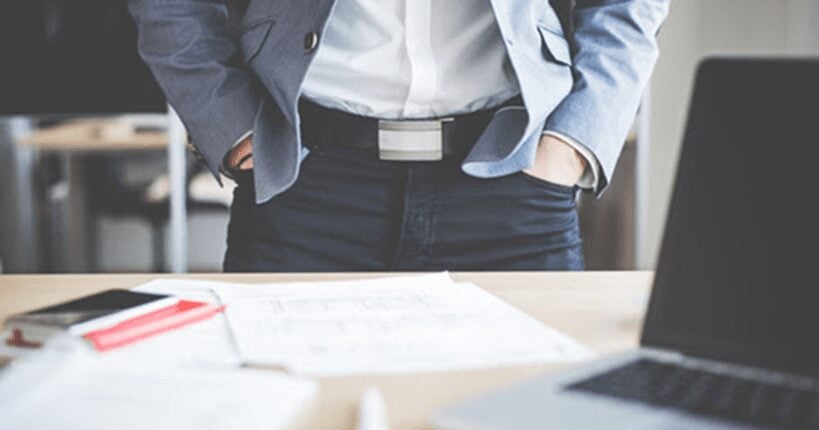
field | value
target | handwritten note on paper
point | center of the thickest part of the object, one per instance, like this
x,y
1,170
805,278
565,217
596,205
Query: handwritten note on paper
x,y
390,325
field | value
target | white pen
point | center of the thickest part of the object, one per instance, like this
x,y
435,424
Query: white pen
x,y
372,411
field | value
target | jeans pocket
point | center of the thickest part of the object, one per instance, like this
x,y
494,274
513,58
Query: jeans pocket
x,y
242,177
552,187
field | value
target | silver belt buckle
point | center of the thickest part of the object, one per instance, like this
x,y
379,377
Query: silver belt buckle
x,y
411,140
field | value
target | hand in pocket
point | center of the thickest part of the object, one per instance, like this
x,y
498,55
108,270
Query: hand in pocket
x,y
557,162
241,156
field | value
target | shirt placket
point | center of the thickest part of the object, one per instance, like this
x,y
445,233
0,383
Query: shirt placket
x,y
423,69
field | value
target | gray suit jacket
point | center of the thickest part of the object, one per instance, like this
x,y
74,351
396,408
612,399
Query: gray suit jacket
x,y
228,68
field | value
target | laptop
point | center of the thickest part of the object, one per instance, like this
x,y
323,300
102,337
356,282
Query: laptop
x,y
731,335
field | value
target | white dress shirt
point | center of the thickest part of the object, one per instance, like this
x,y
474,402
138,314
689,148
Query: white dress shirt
x,y
396,59
412,59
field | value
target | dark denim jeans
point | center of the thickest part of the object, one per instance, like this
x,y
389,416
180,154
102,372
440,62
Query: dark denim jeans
x,y
349,211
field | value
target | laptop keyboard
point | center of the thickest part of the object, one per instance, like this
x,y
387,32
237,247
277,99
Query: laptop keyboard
x,y
707,393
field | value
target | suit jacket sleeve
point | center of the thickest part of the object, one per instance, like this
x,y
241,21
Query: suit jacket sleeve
x,y
614,49
188,46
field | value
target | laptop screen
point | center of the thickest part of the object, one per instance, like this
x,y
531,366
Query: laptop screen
x,y
737,277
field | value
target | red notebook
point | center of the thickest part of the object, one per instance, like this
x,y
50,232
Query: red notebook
x,y
159,321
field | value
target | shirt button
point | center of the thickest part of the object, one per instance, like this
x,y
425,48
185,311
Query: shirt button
x,y
311,41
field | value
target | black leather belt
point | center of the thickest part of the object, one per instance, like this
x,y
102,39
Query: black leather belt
x,y
396,140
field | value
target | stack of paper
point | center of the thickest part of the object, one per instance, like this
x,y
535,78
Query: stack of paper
x,y
184,379
78,394
406,324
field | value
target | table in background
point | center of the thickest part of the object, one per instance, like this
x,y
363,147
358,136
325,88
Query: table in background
x,y
75,139
603,310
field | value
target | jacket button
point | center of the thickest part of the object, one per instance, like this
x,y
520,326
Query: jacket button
x,y
311,41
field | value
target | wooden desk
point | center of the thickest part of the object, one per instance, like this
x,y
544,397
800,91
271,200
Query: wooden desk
x,y
601,309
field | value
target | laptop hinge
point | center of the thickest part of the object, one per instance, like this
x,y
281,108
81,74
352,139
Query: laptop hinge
x,y
664,354
735,369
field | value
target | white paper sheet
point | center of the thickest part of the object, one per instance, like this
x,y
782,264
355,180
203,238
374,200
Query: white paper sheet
x,y
78,394
388,325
